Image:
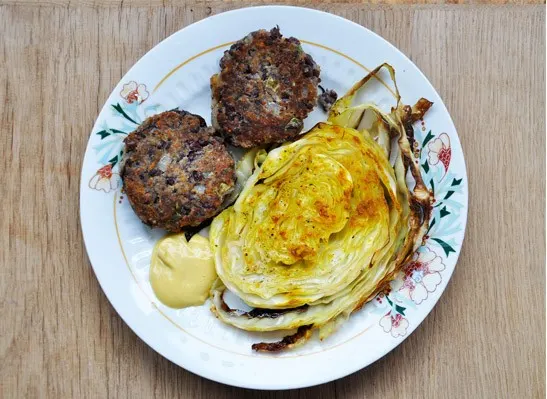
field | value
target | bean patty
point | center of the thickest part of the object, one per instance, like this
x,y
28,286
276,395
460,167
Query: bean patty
x,y
266,87
176,172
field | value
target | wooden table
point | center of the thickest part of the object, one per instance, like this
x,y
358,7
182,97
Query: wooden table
x,y
59,336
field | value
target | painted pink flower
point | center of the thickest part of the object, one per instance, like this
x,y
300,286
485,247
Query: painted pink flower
x,y
394,324
133,91
421,276
440,151
380,299
105,180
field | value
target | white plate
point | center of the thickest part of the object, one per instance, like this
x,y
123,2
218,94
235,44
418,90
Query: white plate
x,y
176,73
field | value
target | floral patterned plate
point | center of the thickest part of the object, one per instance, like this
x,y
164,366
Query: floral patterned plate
x,y
176,73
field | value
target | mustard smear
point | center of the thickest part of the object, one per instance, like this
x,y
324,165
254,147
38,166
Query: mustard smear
x,y
182,272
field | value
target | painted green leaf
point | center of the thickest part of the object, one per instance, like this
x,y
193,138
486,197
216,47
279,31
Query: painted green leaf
x,y
444,212
432,185
118,108
456,182
447,248
433,221
103,134
400,309
114,160
448,194
427,139
109,132
425,166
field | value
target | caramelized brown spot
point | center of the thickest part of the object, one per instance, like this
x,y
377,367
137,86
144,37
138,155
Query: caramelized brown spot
x,y
301,251
341,176
420,108
302,334
323,210
366,208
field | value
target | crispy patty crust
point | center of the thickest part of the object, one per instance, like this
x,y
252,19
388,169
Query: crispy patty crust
x,y
266,87
175,172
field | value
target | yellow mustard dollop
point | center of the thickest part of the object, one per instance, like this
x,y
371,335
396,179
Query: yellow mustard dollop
x,y
182,272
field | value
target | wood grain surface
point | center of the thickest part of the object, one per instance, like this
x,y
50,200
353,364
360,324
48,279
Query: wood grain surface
x,y
59,336
233,3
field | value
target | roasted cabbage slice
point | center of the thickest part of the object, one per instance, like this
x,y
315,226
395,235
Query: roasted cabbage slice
x,y
323,223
